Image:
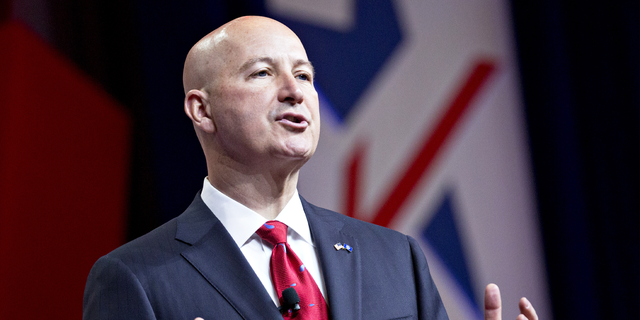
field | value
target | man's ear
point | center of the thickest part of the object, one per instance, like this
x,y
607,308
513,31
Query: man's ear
x,y
195,106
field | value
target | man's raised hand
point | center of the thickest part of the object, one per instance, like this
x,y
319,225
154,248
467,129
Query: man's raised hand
x,y
493,305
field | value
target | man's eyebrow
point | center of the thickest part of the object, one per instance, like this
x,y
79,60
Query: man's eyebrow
x,y
269,60
253,61
306,63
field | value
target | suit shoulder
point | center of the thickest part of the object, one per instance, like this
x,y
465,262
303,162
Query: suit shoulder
x,y
153,241
164,239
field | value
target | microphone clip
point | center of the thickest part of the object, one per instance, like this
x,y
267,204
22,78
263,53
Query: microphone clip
x,y
290,301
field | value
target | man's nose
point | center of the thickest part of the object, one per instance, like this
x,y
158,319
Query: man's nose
x,y
290,90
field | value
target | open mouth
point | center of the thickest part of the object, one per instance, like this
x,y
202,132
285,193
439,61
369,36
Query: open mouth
x,y
293,120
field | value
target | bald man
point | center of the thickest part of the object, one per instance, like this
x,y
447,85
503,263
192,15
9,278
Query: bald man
x,y
249,92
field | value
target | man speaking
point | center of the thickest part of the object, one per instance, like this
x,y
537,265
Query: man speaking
x,y
249,247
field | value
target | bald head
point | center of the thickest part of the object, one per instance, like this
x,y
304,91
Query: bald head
x,y
206,58
249,92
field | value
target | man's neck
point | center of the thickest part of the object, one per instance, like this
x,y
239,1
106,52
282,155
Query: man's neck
x,y
265,193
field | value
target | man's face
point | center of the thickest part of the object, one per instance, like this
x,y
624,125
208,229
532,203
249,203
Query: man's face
x,y
263,102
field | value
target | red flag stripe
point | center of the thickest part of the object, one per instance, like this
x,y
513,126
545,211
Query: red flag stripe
x,y
432,144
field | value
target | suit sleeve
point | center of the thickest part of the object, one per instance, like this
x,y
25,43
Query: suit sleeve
x,y
114,292
430,305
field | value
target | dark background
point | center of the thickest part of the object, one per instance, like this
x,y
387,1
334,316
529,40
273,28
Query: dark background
x,y
580,71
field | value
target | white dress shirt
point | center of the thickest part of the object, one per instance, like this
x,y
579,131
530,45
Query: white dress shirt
x,y
242,223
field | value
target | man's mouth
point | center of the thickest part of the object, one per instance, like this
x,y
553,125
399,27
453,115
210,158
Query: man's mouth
x,y
293,120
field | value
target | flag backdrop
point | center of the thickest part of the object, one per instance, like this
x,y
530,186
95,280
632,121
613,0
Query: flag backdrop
x,y
423,131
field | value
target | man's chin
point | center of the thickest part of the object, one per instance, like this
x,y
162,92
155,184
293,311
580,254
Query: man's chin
x,y
297,150
295,156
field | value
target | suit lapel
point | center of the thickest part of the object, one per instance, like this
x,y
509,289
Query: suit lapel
x,y
215,255
341,269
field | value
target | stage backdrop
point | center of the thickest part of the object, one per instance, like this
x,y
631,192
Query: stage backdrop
x,y
423,132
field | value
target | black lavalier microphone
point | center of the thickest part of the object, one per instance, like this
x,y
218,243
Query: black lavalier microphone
x,y
290,300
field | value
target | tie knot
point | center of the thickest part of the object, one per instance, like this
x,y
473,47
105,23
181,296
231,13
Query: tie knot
x,y
273,232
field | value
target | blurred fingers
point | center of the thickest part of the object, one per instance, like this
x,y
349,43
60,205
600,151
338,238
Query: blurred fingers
x,y
527,310
492,303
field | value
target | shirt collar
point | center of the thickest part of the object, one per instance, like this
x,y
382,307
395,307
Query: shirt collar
x,y
242,222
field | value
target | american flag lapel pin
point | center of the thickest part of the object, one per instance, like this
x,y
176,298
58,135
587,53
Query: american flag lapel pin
x,y
343,246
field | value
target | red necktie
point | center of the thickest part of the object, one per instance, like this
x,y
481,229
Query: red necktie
x,y
288,271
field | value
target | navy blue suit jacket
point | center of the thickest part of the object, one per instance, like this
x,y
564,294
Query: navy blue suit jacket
x,y
191,267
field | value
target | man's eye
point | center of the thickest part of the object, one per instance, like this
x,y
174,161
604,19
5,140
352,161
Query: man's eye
x,y
262,73
303,77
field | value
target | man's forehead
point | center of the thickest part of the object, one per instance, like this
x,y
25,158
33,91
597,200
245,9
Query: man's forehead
x,y
244,49
241,43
